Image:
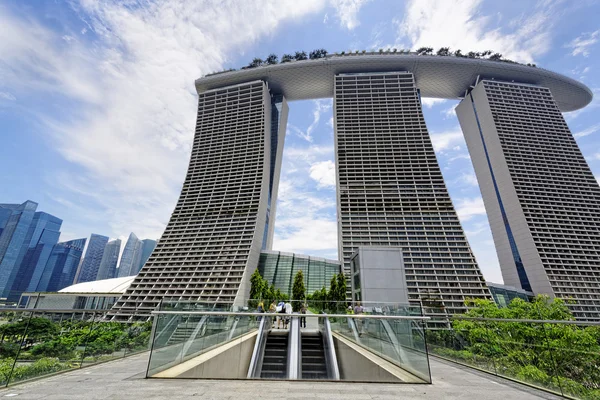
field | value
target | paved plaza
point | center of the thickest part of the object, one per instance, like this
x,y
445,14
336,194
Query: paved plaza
x,y
124,379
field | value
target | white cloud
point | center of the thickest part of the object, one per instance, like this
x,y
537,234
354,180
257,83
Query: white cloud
x,y
323,173
468,208
586,132
462,25
581,44
430,101
134,81
446,140
347,12
319,107
449,112
7,96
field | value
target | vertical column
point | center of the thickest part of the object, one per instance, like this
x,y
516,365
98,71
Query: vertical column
x,y
213,240
391,191
542,200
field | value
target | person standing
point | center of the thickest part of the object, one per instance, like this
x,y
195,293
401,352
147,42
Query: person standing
x,y
288,312
281,311
303,319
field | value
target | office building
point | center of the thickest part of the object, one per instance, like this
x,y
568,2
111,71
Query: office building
x,y
108,263
61,266
504,294
131,258
280,269
390,191
541,198
148,246
13,240
88,270
42,235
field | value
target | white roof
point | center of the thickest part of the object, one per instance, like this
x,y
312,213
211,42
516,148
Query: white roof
x,y
440,77
114,285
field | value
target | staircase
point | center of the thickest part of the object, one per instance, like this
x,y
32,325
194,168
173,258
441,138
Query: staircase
x,y
183,332
274,363
313,357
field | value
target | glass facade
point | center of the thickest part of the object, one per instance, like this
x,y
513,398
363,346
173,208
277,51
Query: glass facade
x,y
93,256
148,246
108,264
61,266
503,295
12,240
130,259
42,234
279,269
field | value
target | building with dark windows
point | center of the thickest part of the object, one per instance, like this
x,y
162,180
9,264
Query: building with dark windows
x,y
88,270
279,269
541,198
390,191
108,263
61,266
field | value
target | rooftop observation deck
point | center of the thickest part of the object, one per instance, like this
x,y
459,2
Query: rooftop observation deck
x,y
124,379
445,77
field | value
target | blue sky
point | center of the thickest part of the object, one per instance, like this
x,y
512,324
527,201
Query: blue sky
x,y
97,100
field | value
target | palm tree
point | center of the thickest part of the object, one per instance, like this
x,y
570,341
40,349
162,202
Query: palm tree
x,y
272,59
300,55
287,58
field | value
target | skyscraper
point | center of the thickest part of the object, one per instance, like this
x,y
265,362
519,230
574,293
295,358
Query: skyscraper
x,y
108,264
148,246
542,200
220,223
391,191
61,266
88,271
42,235
12,239
130,260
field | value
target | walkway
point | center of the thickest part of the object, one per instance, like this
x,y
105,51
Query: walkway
x,y
124,379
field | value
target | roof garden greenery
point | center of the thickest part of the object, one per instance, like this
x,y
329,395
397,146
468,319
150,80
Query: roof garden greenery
x,y
273,59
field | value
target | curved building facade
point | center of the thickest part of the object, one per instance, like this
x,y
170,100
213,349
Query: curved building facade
x,y
390,190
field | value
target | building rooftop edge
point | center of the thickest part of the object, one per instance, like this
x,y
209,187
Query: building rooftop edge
x,y
436,76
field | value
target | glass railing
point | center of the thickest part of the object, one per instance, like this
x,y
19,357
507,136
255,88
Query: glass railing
x,y
230,345
37,343
558,356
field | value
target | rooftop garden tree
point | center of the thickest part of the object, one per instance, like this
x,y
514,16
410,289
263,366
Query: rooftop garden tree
x,y
272,59
444,51
422,51
287,58
300,55
257,62
319,53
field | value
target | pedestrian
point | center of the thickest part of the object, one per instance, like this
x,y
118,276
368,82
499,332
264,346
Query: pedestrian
x,y
288,312
303,319
281,311
272,310
358,309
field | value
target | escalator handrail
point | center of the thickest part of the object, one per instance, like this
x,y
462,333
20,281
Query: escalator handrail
x,y
333,371
294,361
259,347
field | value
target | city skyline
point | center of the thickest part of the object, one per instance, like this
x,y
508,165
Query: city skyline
x,y
308,155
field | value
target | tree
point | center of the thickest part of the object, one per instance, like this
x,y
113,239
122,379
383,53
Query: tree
x,y
300,55
287,58
257,62
422,51
485,53
319,53
473,54
534,352
257,287
444,51
458,53
298,291
495,57
272,59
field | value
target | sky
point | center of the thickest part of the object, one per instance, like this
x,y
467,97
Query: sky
x,y
97,99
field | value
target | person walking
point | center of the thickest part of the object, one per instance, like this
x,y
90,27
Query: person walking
x,y
281,311
272,310
288,312
303,319
358,310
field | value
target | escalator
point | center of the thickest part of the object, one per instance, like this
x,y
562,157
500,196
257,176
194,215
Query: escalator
x,y
274,362
313,357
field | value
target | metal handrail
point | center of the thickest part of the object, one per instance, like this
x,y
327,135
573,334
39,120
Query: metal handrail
x,y
333,371
232,313
529,321
294,356
259,348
